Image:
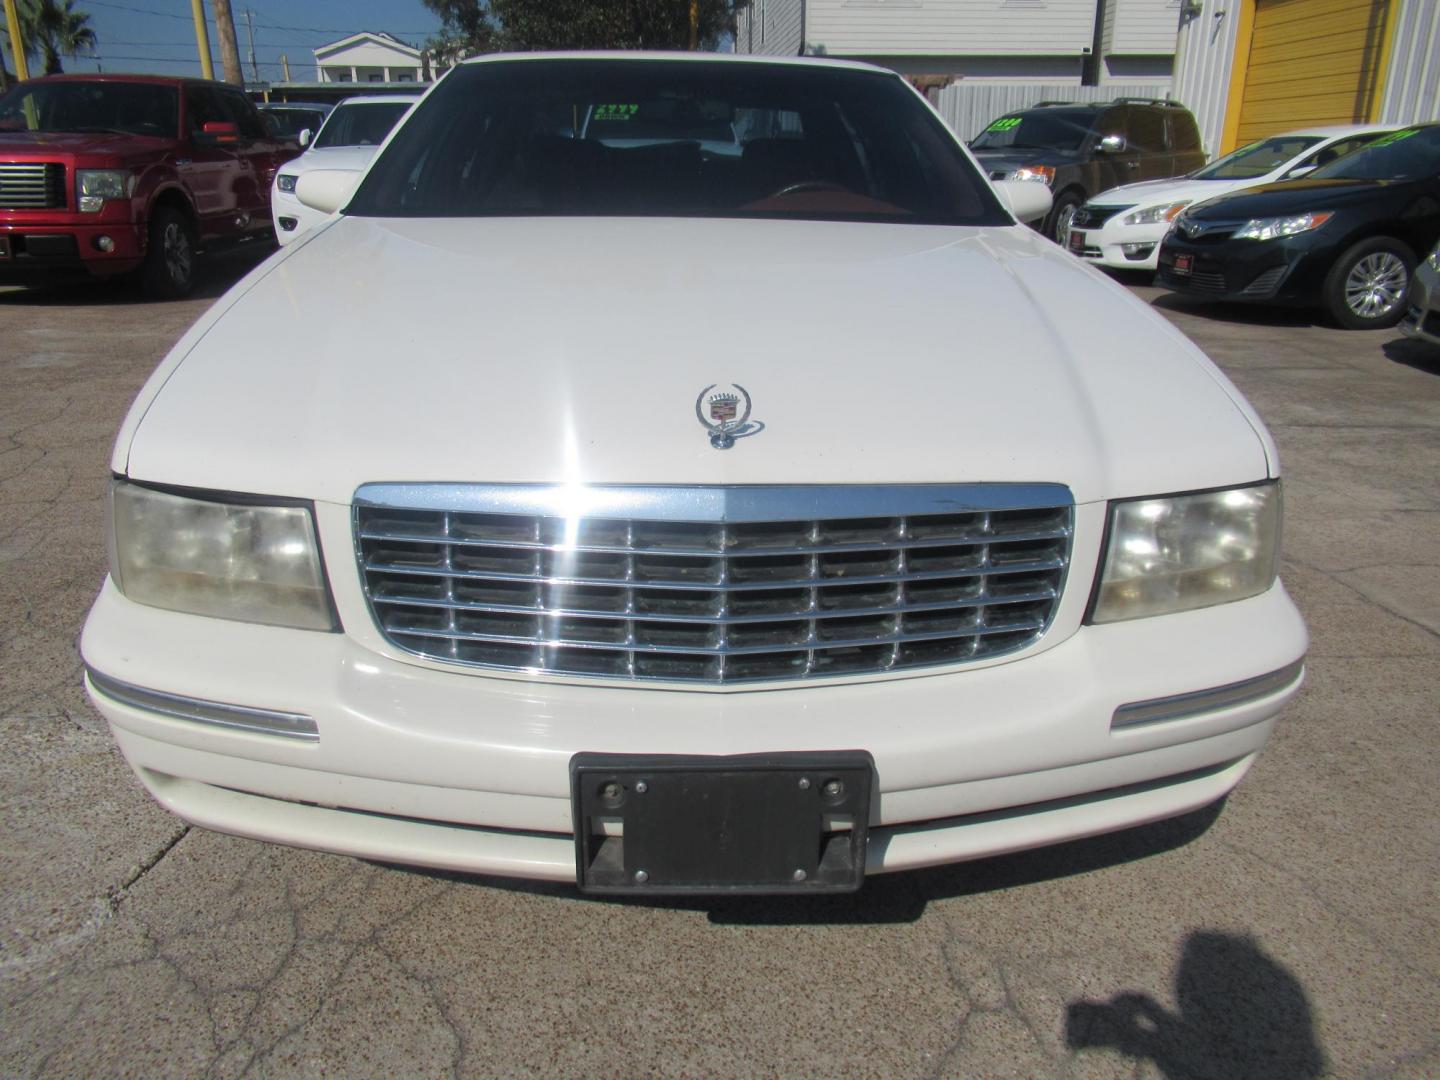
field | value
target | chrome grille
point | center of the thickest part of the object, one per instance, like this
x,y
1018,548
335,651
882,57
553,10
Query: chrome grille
x,y
686,584
31,186
1092,217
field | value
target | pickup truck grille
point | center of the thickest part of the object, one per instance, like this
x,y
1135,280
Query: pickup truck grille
x,y
26,186
708,601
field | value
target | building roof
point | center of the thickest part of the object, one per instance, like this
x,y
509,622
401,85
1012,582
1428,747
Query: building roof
x,y
377,37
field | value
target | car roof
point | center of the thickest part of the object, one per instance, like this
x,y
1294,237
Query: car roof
x,y
683,57
1333,131
379,99
158,80
271,105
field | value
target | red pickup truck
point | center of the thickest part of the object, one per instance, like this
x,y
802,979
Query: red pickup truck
x,y
102,175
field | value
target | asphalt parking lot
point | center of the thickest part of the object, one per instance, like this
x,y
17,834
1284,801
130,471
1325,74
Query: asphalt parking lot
x,y
1293,933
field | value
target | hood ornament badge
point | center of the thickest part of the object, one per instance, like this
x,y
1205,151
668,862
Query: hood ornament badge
x,y
723,416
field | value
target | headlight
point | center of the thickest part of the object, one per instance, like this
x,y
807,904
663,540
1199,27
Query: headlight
x,y
94,186
1276,227
208,556
1044,173
1155,215
1189,551
1434,259
286,182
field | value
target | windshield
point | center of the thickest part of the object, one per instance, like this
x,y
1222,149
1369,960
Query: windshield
x,y
122,108
361,125
1257,159
288,123
1402,155
1039,129
710,139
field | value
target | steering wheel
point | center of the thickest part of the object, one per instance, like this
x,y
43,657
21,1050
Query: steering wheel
x,y
807,185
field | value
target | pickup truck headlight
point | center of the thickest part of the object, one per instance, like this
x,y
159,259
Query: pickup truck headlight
x,y
1043,173
286,182
1276,227
94,186
1155,215
1189,551
1434,259
213,554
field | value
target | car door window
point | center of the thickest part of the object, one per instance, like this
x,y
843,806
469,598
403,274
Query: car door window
x,y
242,114
1146,130
1339,149
201,108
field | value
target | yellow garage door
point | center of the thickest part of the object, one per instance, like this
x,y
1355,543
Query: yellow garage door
x,y
1312,62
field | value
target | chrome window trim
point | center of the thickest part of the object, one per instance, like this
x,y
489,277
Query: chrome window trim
x,y
201,711
1180,706
735,504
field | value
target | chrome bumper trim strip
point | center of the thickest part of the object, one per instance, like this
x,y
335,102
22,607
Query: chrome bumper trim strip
x,y
200,711
1158,710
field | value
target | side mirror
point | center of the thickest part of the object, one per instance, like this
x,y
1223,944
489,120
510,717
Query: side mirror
x,y
1299,171
326,190
1112,144
1026,199
305,136
220,132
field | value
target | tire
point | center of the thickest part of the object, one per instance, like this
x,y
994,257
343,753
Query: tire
x,y
169,269
1368,286
1057,223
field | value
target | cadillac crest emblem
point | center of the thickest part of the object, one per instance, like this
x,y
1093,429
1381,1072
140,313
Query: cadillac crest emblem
x,y
725,414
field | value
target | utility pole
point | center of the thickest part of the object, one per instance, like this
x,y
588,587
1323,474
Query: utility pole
x,y
229,50
285,66
250,33
17,47
694,25
202,38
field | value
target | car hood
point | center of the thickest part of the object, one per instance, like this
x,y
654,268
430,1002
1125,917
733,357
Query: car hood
x,y
353,158
1159,192
577,351
79,142
1008,160
1292,197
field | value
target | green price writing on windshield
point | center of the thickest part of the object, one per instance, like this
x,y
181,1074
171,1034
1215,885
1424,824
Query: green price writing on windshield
x,y
1005,124
1394,137
615,112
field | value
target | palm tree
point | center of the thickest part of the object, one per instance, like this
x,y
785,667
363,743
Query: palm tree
x,y
54,28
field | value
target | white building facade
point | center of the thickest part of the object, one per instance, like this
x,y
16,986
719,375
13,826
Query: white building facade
x,y
373,57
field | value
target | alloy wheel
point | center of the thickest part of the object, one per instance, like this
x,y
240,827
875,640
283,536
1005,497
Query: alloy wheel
x,y
1376,285
178,255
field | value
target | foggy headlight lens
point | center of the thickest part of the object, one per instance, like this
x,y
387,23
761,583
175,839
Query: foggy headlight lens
x,y
286,182
1190,551
1155,215
210,557
1275,228
94,186
1045,174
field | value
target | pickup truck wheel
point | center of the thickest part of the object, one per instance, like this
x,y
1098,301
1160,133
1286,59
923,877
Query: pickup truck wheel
x,y
1367,286
169,270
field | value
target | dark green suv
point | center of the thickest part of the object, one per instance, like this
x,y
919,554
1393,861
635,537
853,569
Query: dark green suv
x,y
1081,149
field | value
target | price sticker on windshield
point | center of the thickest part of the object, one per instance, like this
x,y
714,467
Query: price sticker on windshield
x,y
614,112
1006,124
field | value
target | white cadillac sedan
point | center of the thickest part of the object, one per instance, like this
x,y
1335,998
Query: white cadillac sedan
x,y
346,142
1122,228
616,511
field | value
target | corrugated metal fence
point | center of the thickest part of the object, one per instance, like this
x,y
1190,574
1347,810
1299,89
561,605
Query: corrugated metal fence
x,y
1412,92
968,107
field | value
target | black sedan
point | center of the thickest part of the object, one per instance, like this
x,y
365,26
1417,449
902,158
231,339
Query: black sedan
x,y
1346,237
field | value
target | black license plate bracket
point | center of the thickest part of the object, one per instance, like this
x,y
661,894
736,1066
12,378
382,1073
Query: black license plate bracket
x,y
751,823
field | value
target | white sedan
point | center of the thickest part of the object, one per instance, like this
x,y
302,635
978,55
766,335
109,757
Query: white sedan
x,y
664,520
345,143
1122,228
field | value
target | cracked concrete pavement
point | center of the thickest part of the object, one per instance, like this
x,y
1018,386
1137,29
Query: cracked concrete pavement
x,y
1292,933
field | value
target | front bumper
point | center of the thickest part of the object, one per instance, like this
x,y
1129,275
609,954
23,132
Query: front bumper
x,y
1286,271
470,771
1118,246
41,249
1422,321
292,218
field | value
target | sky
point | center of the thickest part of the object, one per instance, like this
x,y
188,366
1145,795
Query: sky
x,y
159,35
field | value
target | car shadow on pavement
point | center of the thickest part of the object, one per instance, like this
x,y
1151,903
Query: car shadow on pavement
x,y
900,897
213,276
1256,314
1239,1014
1420,355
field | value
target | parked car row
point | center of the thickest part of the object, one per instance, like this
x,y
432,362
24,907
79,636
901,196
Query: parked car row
x,y
107,175
1333,217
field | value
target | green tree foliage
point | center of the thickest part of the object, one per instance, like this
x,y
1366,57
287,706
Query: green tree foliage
x,y
53,28
478,26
